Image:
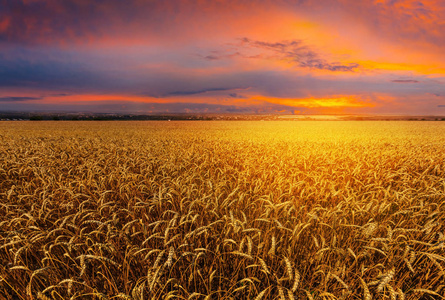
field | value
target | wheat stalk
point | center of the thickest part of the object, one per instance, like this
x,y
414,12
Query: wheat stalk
x,y
366,293
386,278
261,295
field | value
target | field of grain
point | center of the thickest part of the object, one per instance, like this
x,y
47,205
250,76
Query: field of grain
x,y
222,210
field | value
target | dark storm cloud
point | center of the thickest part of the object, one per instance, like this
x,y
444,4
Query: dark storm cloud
x,y
18,99
301,54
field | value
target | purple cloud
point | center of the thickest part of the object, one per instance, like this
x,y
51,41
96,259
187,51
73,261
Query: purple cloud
x,y
405,81
18,99
301,54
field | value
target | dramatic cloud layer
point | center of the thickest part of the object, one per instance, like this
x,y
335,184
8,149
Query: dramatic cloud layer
x,y
302,56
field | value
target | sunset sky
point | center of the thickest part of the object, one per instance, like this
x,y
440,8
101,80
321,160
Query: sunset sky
x,y
180,56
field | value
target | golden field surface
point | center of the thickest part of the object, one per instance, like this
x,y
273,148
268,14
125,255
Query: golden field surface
x,y
222,210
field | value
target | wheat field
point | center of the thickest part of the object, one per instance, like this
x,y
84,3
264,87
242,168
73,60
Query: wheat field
x,y
222,210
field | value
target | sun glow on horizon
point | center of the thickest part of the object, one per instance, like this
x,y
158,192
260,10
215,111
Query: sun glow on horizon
x,y
337,101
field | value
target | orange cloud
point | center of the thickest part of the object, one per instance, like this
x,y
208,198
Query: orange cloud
x,y
328,102
425,68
